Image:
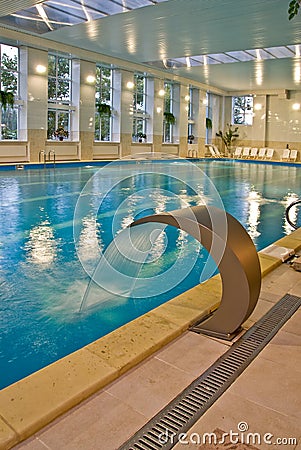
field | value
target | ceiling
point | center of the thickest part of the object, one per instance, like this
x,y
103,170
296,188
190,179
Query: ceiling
x,y
186,28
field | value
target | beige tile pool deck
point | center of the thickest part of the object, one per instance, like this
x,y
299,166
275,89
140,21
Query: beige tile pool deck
x,y
99,396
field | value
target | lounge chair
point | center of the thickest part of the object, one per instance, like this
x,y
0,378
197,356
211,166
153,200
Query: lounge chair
x,y
212,152
217,152
246,152
285,154
237,153
261,153
253,153
293,155
269,153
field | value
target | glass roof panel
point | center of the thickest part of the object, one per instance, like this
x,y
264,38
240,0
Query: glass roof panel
x,y
280,52
222,57
241,55
260,53
295,49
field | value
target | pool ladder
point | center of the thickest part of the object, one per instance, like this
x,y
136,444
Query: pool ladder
x,y
47,157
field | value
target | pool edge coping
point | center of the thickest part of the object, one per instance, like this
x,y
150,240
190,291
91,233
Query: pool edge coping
x,y
33,402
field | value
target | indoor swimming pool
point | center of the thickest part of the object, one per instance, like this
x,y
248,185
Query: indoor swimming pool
x,y
55,222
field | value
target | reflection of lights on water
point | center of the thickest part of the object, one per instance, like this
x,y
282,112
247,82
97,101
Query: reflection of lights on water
x,y
254,200
89,244
42,246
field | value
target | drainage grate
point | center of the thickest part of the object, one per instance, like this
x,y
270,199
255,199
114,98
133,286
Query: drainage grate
x,y
162,431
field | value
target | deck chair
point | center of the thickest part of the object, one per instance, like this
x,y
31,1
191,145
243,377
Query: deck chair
x,y
293,155
246,152
253,153
285,154
217,152
212,152
237,153
269,153
261,153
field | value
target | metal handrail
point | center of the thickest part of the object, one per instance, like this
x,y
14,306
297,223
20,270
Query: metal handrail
x,y
42,153
296,202
51,152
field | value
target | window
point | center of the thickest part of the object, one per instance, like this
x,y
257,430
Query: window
x,y
139,108
190,115
242,110
168,112
59,95
103,103
9,76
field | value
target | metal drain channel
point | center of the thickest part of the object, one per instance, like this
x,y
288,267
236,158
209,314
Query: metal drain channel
x,y
162,431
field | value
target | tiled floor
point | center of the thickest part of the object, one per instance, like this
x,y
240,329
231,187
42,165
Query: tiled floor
x,y
267,396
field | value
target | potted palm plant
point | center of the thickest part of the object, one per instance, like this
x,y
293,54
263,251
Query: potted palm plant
x,y
228,136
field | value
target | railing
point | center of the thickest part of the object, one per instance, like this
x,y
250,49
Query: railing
x,y
42,157
293,225
51,152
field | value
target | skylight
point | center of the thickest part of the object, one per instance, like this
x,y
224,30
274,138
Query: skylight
x,y
258,54
53,14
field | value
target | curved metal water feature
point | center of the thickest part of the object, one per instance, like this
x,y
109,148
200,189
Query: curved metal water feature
x,y
293,225
235,255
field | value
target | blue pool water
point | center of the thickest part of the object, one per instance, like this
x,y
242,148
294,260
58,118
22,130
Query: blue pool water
x,y
47,253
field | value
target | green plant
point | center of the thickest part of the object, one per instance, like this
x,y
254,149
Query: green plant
x,y
169,118
208,123
61,132
140,136
7,99
104,109
228,136
293,8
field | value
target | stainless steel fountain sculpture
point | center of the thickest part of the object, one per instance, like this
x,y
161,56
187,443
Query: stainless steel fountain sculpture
x,y
232,249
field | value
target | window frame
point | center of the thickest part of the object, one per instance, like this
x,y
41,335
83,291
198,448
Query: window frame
x,y
101,97
58,107
168,128
10,114
140,115
245,110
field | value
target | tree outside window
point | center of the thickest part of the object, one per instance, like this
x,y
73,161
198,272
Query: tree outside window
x,y
242,110
9,76
103,103
190,116
139,108
168,109
59,94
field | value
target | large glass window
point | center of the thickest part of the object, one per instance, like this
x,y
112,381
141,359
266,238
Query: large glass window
x,y
169,118
139,108
9,76
59,96
190,112
242,110
103,103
